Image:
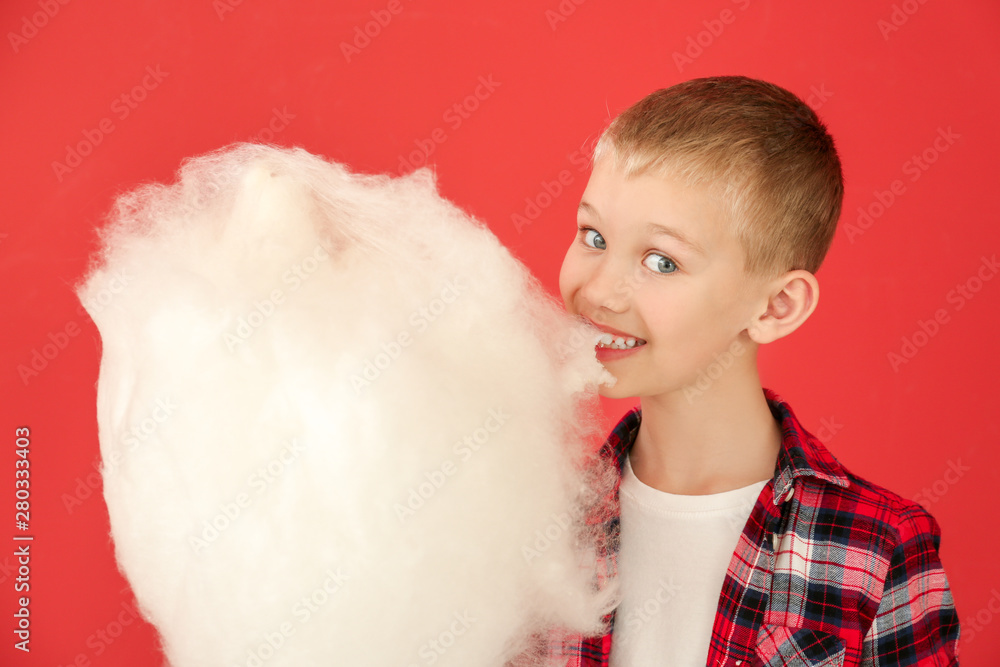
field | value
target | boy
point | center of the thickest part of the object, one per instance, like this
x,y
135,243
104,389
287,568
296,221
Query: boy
x,y
740,540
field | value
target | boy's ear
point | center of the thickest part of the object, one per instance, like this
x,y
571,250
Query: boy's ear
x,y
791,299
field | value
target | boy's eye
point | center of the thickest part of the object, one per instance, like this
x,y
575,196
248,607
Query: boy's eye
x,y
593,239
660,263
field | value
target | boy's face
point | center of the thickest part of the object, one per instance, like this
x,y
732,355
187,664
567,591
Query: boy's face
x,y
656,259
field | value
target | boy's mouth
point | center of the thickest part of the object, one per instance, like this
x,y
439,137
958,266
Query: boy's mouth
x,y
613,339
619,342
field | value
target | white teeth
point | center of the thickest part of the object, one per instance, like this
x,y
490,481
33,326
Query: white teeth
x,y
619,342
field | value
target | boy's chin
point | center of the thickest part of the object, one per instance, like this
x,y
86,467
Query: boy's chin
x,y
622,391
617,391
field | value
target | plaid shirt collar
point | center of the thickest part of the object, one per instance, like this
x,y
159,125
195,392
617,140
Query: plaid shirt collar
x,y
801,452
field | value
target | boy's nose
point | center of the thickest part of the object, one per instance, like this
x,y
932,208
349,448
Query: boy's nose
x,y
605,289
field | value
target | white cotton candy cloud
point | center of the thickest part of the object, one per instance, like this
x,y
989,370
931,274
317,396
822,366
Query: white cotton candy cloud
x,y
340,424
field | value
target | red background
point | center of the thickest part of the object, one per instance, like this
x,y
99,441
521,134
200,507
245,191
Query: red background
x,y
228,70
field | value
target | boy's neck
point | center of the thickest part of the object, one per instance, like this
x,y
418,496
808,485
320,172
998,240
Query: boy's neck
x,y
724,439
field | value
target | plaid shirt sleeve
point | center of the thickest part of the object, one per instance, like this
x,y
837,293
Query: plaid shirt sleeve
x,y
916,623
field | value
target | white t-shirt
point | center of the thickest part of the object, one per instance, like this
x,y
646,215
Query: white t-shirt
x,y
672,561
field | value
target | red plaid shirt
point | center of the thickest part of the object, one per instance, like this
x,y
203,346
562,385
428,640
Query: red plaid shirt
x,y
830,570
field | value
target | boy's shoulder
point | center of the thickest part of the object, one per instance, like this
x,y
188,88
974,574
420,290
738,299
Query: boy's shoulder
x,y
837,531
865,509
837,500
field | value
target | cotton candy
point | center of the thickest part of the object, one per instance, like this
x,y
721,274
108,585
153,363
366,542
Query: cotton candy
x,y
340,424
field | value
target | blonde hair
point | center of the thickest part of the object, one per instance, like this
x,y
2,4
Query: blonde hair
x,y
771,159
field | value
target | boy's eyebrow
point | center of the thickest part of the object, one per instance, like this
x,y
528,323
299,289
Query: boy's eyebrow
x,y
653,228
